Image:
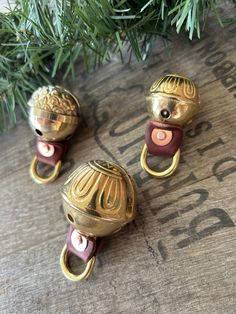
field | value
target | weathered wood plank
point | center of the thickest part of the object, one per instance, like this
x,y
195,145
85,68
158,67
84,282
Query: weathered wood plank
x,y
179,254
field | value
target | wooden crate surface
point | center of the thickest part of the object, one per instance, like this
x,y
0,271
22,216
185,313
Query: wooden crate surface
x,y
179,256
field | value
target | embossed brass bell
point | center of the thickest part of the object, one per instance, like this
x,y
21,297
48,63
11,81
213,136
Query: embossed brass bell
x,y
54,114
99,198
172,103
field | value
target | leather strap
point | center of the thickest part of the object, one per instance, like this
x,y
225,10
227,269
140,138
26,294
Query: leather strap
x,y
168,149
93,246
59,151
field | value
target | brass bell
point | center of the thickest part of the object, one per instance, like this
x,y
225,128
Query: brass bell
x,y
99,198
172,103
54,114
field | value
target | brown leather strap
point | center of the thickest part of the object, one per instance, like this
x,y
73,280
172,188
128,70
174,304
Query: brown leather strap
x,y
93,246
59,148
168,150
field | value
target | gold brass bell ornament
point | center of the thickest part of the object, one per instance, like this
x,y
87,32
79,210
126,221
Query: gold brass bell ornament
x,y
54,114
172,103
99,198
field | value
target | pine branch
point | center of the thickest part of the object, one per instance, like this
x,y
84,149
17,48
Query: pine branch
x,y
40,37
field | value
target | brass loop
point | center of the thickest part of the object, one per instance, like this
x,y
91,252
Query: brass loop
x,y
163,174
40,180
67,272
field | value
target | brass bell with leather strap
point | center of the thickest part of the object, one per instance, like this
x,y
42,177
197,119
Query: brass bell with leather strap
x,y
172,103
54,114
99,198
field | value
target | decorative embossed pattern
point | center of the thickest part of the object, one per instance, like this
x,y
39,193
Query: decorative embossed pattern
x,y
101,189
54,99
179,86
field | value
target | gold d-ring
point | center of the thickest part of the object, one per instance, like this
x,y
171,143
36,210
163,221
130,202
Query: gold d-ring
x,y
66,271
162,174
37,178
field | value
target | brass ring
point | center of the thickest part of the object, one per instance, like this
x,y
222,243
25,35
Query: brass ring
x,y
162,174
66,271
40,180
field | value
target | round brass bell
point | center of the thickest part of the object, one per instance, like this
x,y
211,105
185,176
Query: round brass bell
x,y
54,113
172,103
99,198
173,99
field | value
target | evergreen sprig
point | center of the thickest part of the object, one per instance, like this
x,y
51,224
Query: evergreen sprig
x,y
38,38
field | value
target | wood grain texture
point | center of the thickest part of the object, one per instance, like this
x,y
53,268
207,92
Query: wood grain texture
x,y
179,256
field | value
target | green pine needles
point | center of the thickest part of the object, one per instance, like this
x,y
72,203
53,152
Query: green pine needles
x,y
38,38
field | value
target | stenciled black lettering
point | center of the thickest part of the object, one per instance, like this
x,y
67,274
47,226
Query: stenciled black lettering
x,y
229,79
134,160
162,249
232,89
215,58
133,142
141,178
198,129
206,49
113,131
202,197
223,68
213,145
168,186
221,174
224,221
